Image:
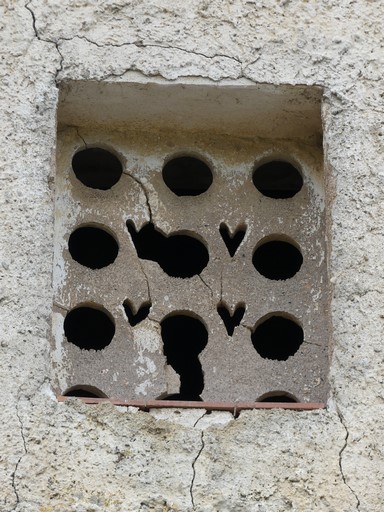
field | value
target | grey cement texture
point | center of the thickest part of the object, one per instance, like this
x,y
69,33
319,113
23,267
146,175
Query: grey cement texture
x,y
74,457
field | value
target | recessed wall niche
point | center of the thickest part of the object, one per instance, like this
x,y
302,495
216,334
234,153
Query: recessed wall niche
x,y
197,206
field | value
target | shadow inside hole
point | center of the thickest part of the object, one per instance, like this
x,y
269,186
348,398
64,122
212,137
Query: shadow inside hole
x,y
277,397
85,391
277,260
180,397
232,240
278,180
184,337
140,315
231,321
89,328
277,338
187,176
93,247
178,255
97,168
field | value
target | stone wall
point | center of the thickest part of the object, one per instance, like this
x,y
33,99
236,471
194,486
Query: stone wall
x,y
76,457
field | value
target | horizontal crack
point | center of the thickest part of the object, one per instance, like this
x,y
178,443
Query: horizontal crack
x,y
140,44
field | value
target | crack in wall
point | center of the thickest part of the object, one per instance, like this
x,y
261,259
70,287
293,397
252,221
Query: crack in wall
x,y
195,461
13,476
39,38
206,285
81,137
137,44
342,421
142,187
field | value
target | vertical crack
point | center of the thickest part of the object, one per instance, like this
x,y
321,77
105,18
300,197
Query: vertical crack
x,y
206,285
13,476
342,421
27,6
81,137
55,43
144,190
195,461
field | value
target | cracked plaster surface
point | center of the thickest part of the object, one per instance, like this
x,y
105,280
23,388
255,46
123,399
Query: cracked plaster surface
x,y
82,458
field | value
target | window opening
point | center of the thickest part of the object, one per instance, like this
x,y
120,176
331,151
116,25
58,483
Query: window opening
x,y
243,272
93,247
278,180
187,176
89,328
178,255
97,168
277,260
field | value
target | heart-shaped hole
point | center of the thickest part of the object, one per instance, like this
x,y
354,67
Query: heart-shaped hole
x,y
231,320
232,239
140,315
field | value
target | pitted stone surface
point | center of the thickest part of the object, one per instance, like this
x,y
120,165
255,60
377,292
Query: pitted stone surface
x,y
333,44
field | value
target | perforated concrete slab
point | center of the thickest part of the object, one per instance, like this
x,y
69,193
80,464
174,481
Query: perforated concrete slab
x,y
202,240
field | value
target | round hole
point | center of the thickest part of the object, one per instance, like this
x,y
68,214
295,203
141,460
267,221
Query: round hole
x,y
89,328
97,168
277,179
187,176
277,396
277,338
277,260
93,247
85,391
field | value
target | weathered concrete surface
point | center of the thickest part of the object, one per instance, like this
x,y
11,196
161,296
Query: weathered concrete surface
x,y
62,456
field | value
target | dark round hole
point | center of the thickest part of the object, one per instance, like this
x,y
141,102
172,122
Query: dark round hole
x,y
93,247
97,168
184,337
85,391
277,179
277,338
277,260
89,328
187,176
277,397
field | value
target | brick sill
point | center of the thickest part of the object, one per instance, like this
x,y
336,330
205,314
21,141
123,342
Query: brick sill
x,y
234,408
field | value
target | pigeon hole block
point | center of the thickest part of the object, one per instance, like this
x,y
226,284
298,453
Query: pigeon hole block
x,y
166,195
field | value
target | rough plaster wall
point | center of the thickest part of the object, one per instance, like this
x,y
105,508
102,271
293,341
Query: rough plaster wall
x,y
74,457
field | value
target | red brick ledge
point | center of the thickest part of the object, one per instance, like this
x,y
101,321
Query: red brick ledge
x,y
233,407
